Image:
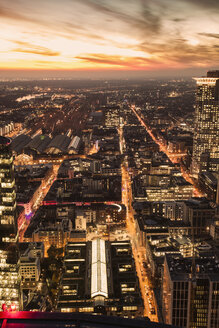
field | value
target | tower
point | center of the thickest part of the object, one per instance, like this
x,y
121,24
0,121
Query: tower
x,y
8,231
206,137
186,302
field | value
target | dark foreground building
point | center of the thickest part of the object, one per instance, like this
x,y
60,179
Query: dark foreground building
x,y
79,320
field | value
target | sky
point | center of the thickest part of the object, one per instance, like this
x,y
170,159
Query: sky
x,y
108,37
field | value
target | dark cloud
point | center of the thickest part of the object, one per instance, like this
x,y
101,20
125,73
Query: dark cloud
x,y
178,20
210,35
146,21
151,20
179,51
208,4
34,49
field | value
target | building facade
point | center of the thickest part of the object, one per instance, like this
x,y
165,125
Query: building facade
x,y
206,137
9,282
191,301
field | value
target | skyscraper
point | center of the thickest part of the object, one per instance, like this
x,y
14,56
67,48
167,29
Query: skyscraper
x,y
8,232
206,135
191,302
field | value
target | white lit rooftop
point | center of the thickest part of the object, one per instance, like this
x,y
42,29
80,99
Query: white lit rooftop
x,y
98,269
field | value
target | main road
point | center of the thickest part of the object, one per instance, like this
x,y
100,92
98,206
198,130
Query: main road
x,y
138,252
174,157
38,202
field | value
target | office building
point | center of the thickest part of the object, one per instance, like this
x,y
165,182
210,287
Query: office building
x,y
206,137
8,232
100,277
29,268
198,212
191,301
53,234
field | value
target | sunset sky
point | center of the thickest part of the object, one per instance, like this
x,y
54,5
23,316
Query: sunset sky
x,y
109,35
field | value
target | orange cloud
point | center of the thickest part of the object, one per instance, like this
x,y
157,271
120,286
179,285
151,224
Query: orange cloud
x,y
121,61
34,49
45,52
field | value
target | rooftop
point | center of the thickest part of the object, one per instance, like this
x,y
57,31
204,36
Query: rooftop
x,y
210,177
60,142
39,143
180,268
20,142
99,268
4,141
199,203
148,222
213,73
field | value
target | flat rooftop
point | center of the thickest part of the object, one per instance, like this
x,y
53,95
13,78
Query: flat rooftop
x,y
149,222
180,268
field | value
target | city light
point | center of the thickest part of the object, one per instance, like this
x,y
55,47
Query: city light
x,y
109,198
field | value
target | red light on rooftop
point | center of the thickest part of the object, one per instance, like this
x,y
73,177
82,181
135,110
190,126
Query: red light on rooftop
x,y
4,308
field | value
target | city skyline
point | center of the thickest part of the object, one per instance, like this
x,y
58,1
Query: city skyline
x,y
108,38
102,209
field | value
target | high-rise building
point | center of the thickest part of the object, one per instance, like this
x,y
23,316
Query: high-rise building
x,y
206,136
191,300
9,285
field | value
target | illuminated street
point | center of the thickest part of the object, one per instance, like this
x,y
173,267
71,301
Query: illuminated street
x,y
174,157
46,186
137,252
146,291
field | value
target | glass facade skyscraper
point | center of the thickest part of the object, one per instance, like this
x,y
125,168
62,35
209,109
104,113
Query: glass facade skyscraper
x,y
206,133
8,231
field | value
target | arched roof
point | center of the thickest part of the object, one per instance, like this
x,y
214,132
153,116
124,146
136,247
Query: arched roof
x,y
60,143
19,143
39,143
